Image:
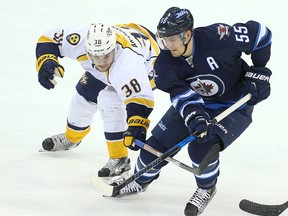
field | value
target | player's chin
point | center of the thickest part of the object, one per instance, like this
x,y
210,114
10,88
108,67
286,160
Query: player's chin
x,y
175,53
102,68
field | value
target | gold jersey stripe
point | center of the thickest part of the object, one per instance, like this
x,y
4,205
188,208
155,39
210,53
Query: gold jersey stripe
x,y
153,84
141,101
82,58
121,39
45,39
145,32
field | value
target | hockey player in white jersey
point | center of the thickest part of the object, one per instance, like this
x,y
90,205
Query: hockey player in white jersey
x,y
118,63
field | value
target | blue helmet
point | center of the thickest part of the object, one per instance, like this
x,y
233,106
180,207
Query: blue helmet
x,y
175,21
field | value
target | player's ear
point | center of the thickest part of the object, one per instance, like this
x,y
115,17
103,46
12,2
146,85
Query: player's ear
x,y
188,35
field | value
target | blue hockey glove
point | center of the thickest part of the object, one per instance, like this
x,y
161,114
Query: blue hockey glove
x,y
48,66
257,83
137,128
198,126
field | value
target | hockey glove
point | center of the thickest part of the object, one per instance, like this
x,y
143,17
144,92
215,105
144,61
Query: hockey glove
x,y
257,83
137,128
48,66
198,126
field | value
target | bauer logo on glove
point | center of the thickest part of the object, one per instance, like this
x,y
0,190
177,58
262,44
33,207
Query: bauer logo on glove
x,y
257,84
137,127
138,121
48,67
257,76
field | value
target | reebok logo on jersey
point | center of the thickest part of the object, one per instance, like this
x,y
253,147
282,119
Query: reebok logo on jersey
x,y
162,126
73,39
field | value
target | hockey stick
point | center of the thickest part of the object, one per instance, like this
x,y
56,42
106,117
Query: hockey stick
x,y
109,190
197,171
261,209
232,108
202,167
113,191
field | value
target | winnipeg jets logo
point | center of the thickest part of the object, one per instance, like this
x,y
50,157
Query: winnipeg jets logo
x,y
223,31
181,13
203,87
207,85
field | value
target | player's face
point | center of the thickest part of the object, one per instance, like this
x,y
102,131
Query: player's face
x,y
175,45
102,63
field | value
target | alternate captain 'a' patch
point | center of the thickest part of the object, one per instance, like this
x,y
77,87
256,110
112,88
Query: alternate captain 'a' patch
x,y
73,39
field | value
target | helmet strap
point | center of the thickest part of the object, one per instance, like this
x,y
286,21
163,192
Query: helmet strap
x,y
186,45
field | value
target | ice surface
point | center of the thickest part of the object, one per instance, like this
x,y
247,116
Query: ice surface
x,y
46,184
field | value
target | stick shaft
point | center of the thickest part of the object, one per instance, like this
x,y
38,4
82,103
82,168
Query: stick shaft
x,y
231,109
178,147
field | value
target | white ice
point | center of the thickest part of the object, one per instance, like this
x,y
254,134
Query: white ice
x,y
46,184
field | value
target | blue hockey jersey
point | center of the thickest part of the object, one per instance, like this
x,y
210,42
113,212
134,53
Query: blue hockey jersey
x,y
213,76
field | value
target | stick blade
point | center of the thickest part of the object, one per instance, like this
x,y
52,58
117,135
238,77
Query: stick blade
x,y
261,209
99,185
208,158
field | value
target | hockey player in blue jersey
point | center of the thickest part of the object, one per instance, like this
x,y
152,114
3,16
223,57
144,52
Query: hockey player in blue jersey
x,y
204,73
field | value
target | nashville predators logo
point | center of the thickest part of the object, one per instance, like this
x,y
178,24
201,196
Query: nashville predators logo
x,y
73,39
84,80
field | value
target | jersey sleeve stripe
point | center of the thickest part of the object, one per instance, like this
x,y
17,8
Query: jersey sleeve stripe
x,y
189,93
152,83
182,107
82,58
189,97
145,32
141,101
262,35
45,39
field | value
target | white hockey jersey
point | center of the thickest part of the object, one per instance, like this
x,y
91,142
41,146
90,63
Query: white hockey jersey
x,y
136,52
